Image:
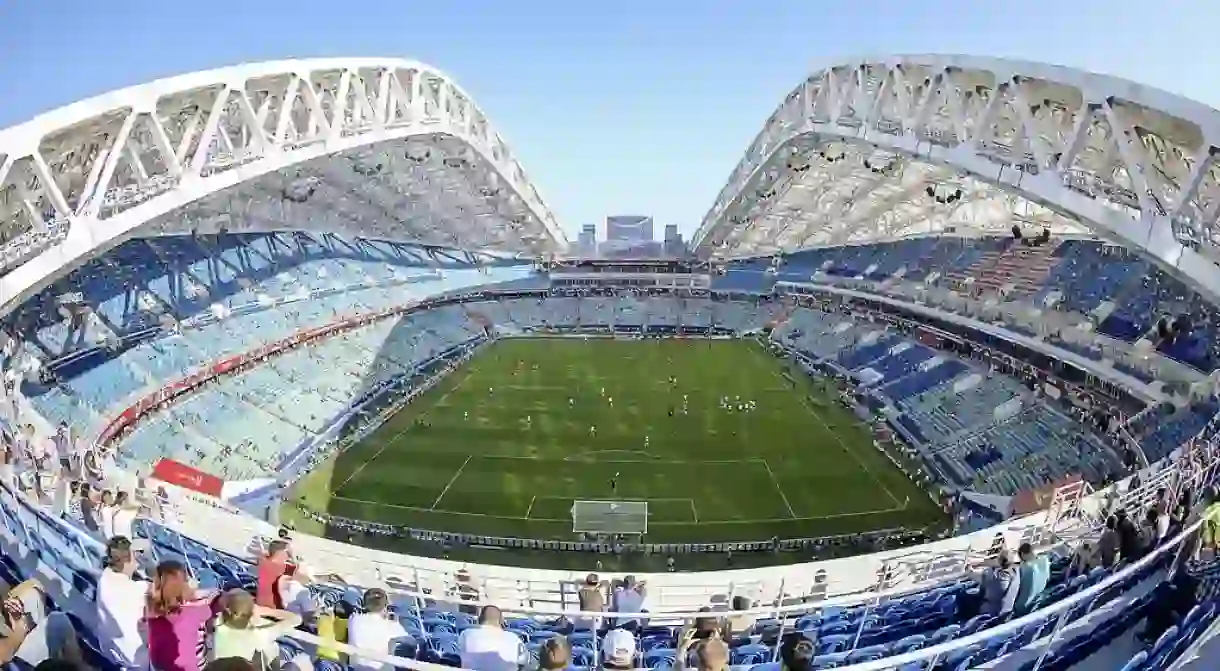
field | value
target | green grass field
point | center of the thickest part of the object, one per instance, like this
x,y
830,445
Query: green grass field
x,y
505,446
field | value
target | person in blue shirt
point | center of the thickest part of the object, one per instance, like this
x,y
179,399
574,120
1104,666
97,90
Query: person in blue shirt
x,y
1033,572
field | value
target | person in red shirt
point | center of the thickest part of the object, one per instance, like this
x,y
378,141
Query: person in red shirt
x,y
270,568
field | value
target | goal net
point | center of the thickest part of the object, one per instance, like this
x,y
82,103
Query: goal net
x,y
610,517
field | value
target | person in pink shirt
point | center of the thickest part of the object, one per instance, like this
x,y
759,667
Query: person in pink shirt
x,y
178,619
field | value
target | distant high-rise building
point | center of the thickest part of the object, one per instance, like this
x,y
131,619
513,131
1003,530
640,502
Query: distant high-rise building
x,y
674,246
586,244
629,228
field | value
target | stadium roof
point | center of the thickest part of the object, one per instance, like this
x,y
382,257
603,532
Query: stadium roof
x,y
379,147
905,145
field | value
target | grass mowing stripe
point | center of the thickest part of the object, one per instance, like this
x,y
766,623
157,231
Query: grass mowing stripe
x,y
529,426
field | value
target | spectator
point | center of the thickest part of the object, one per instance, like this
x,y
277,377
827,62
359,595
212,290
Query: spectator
x,y
995,584
177,617
8,466
105,512
1032,576
1083,560
618,650
1149,532
91,464
796,652
629,598
489,647
742,623
74,514
271,568
710,655
249,631
555,654
592,600
332,628
60,500
88,509
1172,600
1129,547
1109,543
294,592
707,626
32,635
230,664
124,515
120,603
64,448
375,629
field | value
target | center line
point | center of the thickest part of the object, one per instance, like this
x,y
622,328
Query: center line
x,y
451,481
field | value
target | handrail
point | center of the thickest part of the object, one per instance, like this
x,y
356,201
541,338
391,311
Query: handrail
x,y
882,664
1012,626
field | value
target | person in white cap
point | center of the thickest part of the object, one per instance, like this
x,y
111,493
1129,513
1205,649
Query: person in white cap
x,y
618,650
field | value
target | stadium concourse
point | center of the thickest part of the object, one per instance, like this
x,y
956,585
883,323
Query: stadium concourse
x,y
937,389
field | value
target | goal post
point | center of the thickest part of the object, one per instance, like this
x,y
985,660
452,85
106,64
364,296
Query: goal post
x,y
610,517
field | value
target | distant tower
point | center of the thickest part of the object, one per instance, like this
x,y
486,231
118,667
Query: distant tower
x,y
674,246
586,244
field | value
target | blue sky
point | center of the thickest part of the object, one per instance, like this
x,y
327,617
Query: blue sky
x,y
619,107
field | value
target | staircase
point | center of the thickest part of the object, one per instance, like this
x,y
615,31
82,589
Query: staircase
x,y
1023,267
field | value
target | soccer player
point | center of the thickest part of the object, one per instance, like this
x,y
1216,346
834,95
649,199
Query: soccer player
x,y
592,430
466,415
646,441
614,484
571,401
611,400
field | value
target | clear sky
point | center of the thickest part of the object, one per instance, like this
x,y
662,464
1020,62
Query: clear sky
x,y
617,107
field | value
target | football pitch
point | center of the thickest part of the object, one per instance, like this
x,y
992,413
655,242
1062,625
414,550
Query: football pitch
x,y
719,437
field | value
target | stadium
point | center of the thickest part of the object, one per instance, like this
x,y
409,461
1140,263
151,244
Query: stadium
x,y
947,310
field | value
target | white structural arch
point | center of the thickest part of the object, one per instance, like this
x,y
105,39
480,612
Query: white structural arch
x,y
902,145
364,146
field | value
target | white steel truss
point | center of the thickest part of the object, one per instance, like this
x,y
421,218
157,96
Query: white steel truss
x,y
903,145
366,147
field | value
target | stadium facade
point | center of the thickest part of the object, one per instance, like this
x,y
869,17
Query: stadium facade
x,y
266,206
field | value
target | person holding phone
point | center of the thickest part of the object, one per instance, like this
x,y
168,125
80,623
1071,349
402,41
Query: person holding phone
x,y
32,635
707,654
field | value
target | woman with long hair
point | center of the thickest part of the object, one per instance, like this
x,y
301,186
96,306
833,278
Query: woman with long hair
x,y
179,618
248,630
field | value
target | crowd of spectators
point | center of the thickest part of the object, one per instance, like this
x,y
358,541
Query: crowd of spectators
x,y
156,616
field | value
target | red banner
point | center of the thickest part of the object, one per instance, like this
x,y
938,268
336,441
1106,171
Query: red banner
x,y
177,473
